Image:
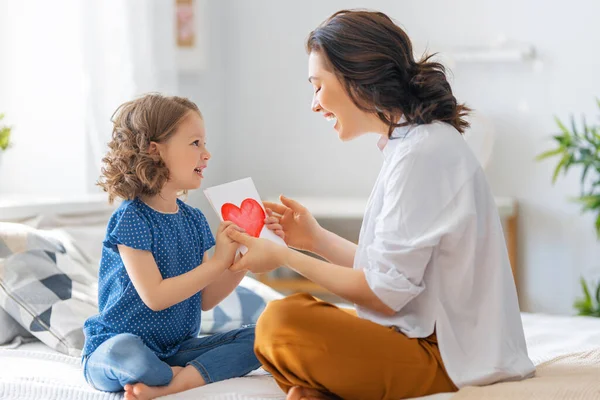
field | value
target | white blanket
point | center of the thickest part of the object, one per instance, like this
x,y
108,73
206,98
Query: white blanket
x,y
34,371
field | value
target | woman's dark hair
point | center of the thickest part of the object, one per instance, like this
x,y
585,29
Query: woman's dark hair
x,y
373,58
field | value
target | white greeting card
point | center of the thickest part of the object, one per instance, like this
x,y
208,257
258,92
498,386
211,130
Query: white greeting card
x,y
239,202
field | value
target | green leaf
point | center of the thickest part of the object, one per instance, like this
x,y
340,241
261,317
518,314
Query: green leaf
x,y
595,134
575,133
590,202
586,129
598,226
563,128
4,138
583,175
583,307
560,165
586,292
570,161
549,153
598,295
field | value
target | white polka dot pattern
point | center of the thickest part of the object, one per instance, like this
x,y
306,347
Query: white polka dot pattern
x,y
177,242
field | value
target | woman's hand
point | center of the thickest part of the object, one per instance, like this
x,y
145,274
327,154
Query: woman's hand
x,y
293,222
263,255
225,247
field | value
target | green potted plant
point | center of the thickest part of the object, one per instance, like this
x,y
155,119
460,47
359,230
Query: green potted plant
x,y
581,147
4,135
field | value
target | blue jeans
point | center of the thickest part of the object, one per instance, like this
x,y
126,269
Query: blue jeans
x,y
125,359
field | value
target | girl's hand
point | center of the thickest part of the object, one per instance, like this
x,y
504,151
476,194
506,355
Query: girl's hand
x,y
291,221
263,255
225,247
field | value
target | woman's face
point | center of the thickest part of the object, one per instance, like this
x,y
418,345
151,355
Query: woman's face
x,y
331,99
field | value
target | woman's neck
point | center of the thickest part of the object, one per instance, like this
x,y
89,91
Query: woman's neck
x,y
165,201
376,125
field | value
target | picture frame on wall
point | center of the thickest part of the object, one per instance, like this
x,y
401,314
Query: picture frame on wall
x,y
191,35
184,23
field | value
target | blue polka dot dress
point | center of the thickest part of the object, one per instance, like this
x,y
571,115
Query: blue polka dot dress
x,y
177,242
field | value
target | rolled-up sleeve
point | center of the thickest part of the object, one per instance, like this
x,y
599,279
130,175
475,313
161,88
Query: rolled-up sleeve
x,y
395,270
409,226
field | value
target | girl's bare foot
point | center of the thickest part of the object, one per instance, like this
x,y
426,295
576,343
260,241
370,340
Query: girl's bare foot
x,y
145,392
130,394
184,379
302,393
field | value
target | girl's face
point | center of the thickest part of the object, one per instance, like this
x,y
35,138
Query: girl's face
x,y
331,99
185,154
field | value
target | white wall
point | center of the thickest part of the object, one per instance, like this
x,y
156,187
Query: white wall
x,y
273,136
207,88
256,102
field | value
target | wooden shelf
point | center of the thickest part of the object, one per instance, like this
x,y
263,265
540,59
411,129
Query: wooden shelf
x,y
354,207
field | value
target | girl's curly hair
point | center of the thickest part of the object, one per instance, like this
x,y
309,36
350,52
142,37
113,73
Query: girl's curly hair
x,y
129,169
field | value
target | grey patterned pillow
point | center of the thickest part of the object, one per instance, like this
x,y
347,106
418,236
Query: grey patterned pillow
x,y
242,307
46,285
10,328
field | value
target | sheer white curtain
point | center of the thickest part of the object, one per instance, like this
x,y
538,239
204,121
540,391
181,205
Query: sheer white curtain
x,y
129,49
65,66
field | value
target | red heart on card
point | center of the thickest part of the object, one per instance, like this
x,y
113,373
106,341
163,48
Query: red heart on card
x,y
249,216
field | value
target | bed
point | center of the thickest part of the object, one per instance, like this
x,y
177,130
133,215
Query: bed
x,y
34,371
30,369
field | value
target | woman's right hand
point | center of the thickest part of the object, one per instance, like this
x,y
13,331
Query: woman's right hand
x,y
293,222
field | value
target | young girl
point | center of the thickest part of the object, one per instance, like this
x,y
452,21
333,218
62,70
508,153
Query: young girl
x,y
155,276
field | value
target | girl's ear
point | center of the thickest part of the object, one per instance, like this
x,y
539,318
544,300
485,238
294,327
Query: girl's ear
x,y
153,148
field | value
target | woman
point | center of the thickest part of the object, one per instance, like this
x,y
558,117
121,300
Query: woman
x,y
430,276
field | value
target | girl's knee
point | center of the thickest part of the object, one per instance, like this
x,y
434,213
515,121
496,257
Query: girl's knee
x,y
123,346
124,359
247,333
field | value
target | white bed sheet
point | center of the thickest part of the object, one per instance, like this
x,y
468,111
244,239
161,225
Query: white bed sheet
x,y
34,371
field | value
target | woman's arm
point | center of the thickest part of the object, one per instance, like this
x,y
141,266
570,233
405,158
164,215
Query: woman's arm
x,y
334,248
158,293
350,284
300,230
215,292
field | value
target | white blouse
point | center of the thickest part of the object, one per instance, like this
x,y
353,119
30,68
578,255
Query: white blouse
x,y
432,248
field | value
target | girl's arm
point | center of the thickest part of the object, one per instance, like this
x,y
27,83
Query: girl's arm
x,y
215,292
158,293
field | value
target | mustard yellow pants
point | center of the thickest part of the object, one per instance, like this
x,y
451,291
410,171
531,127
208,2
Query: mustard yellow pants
x,y
306,342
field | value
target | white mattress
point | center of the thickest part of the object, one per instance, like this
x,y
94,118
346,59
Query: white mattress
x,y
34,371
